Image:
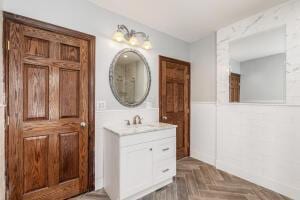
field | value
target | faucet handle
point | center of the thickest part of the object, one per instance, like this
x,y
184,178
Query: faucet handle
x,y
127,122
140,120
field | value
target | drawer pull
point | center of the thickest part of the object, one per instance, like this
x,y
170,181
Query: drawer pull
x,y
166,149
166,170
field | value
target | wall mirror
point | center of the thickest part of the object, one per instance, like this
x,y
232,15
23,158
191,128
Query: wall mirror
x,y
130,77
257,72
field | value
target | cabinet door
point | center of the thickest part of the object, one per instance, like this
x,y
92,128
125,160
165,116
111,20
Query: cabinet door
x,y
136,169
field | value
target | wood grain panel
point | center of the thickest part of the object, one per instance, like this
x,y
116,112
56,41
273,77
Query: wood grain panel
x,y
68,156
70,53
180,73
234,82
170,97
36,92
58,192
68,93
170,71
180,96
53,62
36,47
51,127
180,134
15,104
35,163
50,36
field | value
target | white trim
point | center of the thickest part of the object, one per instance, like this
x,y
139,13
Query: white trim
x,y
266,182
2,105
204,158
126,110
203,102
257,104
98,183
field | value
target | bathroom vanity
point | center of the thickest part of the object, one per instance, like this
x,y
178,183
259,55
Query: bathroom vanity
x,y
138,159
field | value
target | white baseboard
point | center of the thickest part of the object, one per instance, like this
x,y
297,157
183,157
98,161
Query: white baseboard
x,y
266,182
203,157
98,183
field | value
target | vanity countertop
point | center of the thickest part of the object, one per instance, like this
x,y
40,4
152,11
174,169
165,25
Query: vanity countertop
x,y
136,129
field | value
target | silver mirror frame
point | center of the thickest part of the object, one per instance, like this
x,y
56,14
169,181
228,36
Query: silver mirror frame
x,y
111,74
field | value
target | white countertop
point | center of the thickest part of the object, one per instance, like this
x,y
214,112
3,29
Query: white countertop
x,y
140,128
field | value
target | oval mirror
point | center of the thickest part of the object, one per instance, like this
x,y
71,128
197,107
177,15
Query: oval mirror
x,y
130,77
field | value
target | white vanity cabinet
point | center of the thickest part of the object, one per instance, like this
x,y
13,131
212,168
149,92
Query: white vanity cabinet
x,y
139,160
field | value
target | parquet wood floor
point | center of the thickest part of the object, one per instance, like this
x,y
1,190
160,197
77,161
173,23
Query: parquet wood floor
x,y
196,180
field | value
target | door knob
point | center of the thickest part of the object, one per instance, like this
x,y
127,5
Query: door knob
x,y
164,117
82,124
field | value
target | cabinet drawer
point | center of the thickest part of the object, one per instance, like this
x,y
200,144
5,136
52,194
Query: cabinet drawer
x,y
147,137
165,149
164,170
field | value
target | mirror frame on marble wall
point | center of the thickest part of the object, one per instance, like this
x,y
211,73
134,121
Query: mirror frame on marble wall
x,y
282,30
111,75
284,16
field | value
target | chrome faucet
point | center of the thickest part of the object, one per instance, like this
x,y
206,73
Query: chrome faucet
x,y
127,122
137,120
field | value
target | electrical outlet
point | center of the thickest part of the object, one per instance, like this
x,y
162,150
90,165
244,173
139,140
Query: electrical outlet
x,y
100,106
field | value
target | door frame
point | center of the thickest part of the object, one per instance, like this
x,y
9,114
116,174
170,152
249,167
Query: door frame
x,y
10,17
188,64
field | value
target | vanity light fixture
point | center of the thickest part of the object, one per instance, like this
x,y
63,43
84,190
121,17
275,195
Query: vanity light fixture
x,y
132,37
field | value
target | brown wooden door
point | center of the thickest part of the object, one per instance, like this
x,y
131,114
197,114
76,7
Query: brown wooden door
x,y
175,100
234,87
48,100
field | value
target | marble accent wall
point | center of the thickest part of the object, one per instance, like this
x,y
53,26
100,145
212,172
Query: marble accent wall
x,y
288,15
260,142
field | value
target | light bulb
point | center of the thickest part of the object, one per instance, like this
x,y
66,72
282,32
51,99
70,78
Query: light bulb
x,y
133,41
118,36
147,45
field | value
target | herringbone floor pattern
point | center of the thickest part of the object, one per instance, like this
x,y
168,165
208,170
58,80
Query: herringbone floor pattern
x,y
196,180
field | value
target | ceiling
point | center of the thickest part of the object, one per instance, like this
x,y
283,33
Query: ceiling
x,y
260,45
189,20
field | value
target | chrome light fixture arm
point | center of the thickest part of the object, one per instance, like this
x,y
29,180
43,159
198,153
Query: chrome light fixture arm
x,y
131,35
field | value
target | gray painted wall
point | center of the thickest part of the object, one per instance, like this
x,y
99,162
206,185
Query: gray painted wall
x,y
203,70
263,79
89,18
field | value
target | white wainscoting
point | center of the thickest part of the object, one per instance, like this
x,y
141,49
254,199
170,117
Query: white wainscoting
x,y
203,131
109,117
261,143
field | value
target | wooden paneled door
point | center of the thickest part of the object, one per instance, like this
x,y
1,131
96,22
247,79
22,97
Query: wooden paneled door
x,y
174,95
48,108
234,82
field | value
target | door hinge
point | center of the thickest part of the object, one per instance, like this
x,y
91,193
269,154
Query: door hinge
x,y
7,121
8,45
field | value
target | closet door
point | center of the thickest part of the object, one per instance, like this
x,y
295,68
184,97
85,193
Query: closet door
x,y
48,114
175,100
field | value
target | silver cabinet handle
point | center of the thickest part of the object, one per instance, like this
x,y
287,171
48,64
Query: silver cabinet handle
x,y
82,124
164,117
166,170
166,149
